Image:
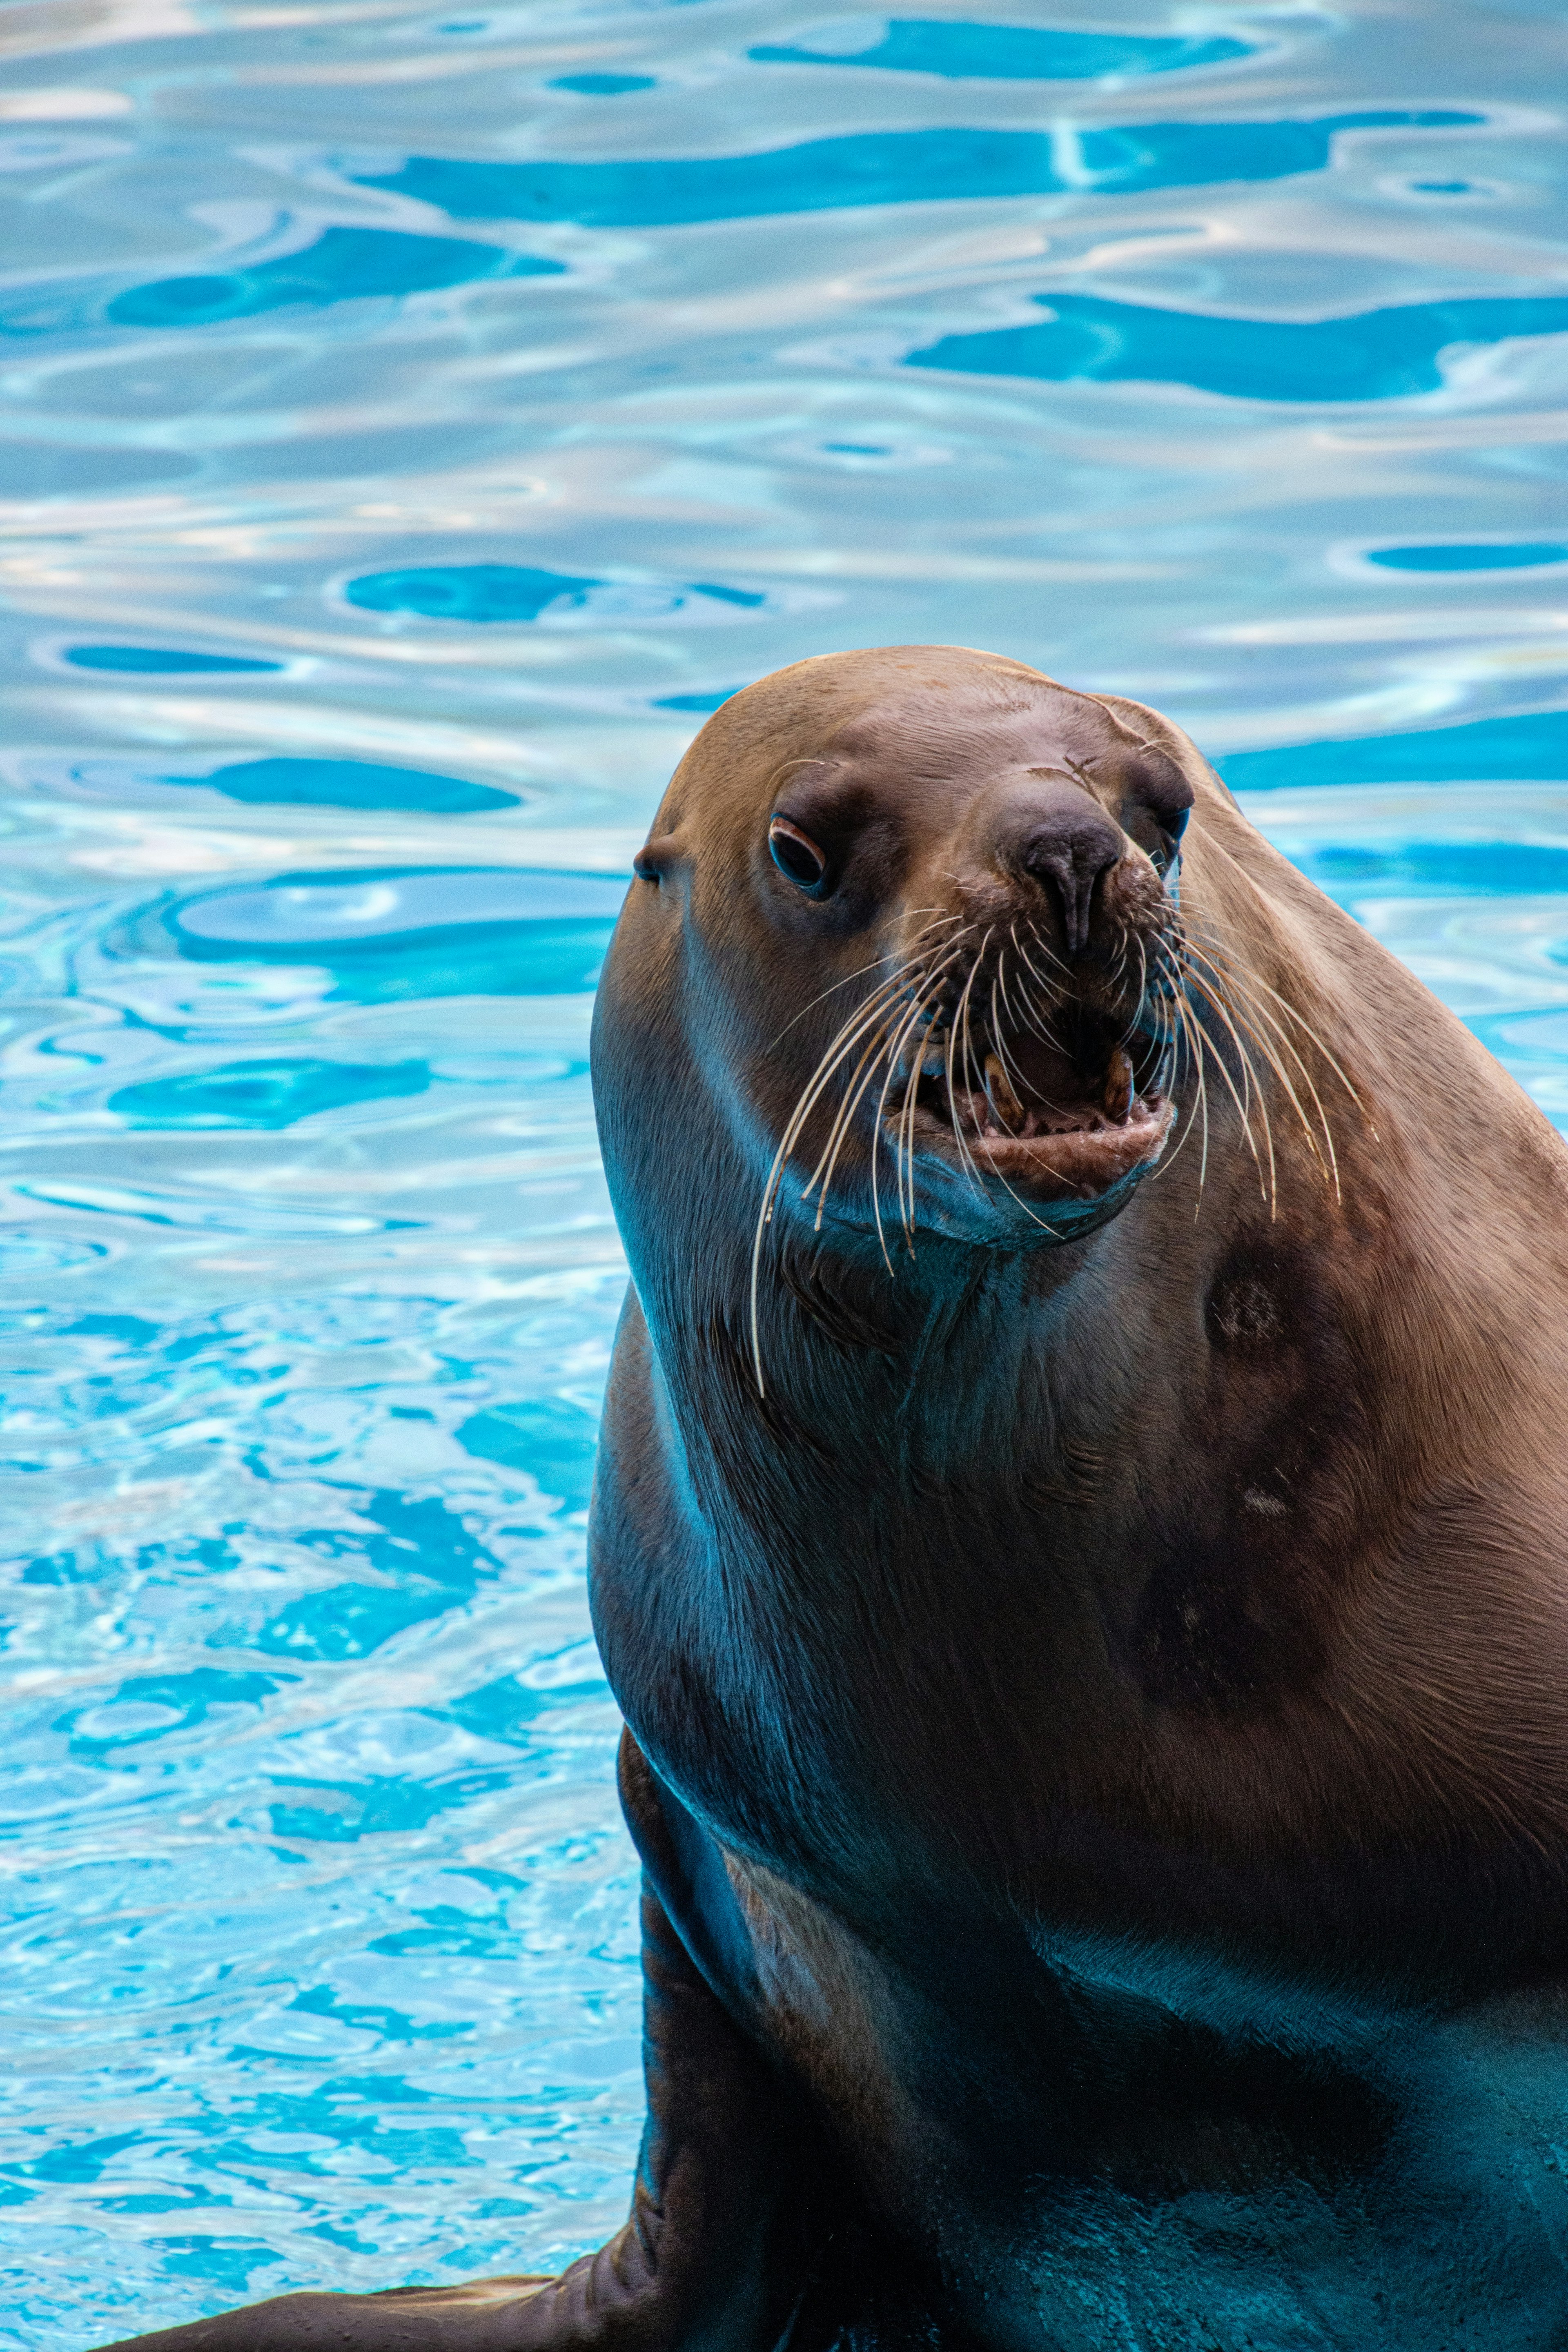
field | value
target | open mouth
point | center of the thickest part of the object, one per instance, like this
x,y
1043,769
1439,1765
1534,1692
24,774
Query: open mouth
x,y
1063,1115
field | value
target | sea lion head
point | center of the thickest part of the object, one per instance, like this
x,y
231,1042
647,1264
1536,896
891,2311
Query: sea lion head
x,y
914,915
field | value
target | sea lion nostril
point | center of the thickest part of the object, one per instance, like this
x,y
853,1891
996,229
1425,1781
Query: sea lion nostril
x,y
1069,850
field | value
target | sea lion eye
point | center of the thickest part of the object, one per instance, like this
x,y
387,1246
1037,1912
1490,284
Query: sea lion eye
x,y
796,855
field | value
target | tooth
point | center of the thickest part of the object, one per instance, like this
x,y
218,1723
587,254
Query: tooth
x,y
1118,1095
1000,1092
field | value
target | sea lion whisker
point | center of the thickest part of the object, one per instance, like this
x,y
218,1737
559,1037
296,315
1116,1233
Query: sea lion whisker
x,y
999,1041
875,1015
806,1101
821,1174
1002,969
1194,1036
965,1158
1293,1013
866,1016
1038,1025
1181,1014
802,1111
909,957
877,1134
1251,1015
1164,986
1188,977
963,1014
859,972
1250,1079
1249,1076
1141,1001
886,993
904,1131
1049,993
845,1109
839,1047
1021,1017
1051,955
1156,986
1002,1053
1245,984
1261,1012
1034,1013
1311,1033
1023,996
858,1087
912,1104
1185,1127
880,1045
904,1155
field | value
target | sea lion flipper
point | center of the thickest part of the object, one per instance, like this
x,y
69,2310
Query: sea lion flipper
x,y
710,2259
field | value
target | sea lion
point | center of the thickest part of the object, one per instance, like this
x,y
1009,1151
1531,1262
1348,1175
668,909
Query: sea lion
x,y
1080,1542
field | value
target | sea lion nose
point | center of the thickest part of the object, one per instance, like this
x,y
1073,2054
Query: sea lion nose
x,y
1063,838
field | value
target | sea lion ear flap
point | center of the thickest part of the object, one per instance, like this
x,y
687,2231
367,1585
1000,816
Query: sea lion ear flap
x,y
654,857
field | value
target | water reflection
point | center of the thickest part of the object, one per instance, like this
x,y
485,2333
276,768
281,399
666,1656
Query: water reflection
x,y
416,422
1371,356
964,52
887,167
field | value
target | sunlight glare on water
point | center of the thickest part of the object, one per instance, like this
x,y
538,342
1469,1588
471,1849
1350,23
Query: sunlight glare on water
x,y
415,419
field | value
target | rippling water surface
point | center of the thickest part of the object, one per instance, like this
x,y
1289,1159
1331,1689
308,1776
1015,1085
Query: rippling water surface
x,y
414,420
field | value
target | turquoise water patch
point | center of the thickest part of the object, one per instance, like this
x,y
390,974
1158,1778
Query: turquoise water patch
x,y
517,1714
1387,354
156,661
965,52
415,1555
470,591
887,167
1520,555
151,1706
548,1437
517,591
265,1093
1442,869
387,1806
1530,747
384,935
698,702
342,265
348,783
131,1331
603,85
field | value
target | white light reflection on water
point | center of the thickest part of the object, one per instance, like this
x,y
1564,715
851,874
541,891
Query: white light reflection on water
x,y
414,420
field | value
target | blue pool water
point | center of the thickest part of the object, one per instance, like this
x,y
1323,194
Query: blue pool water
x,y
413,422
